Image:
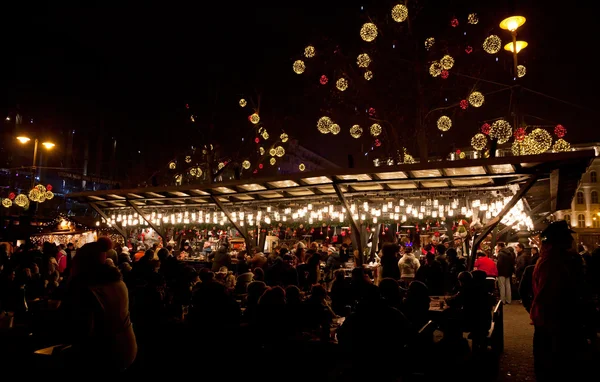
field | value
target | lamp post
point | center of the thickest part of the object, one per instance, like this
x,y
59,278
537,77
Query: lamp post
x,y
48,145
511,24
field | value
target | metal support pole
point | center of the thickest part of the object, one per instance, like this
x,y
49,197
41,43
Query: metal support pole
x,y
34,167
158,230
515,61
496,220
356,232
120,230
239,228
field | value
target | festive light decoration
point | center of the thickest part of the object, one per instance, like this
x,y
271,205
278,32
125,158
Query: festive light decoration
x,y
6,202
221,165
429,42
299,67
473,18
517,148
254,118
279,151
561,146
476,99
519,134
445,74
261,150
560,131
501,130
172,165
284,137
368,75
272,152
372,111
479,141
454,22
243,103
537,142
323,80
368,32
309,51
256,140
520,46
492,44
469,49
447,62
363,60
341,84
324,125
301,167
272,161
435,69
485,128
463,104
335,129
521,71
246,164
265,135
196,171
356,131
188,159
375,129
399,13
21,200
444,123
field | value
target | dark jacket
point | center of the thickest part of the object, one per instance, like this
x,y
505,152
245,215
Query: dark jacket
x,y
506,263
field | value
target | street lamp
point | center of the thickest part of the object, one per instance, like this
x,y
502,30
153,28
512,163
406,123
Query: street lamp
x,y
512,24
48,145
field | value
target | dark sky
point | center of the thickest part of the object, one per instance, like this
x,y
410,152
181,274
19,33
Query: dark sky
x,y
132,69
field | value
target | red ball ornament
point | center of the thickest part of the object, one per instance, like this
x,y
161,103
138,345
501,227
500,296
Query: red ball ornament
x,y
49,186
372,111
12,195
377,142
250,118
261,166
519,134
343,233
256,140
469,49
560,131
485,128
458,152
464,104
255,172
445,74
323,80
454,22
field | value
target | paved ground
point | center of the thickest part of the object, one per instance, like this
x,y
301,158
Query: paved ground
x,y
516,363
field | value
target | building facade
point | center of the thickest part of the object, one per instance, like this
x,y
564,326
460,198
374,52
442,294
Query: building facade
x,y
584,215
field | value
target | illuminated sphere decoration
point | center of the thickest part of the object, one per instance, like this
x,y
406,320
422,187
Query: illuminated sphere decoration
x,y
272,161
254,118
368,75
435,69
335,129
265,135
476,99
272,152
261,150
399,13
299,67
408,159
341,84
323,80
479,141
560,131
21,200
445,74
447,62
356,131
517,148
301,167
519,134
246,164
188,159
537,142
324,125
485,128
368,32
561,146
6,202
243,103
279,151
375,129
192,171
492,44
221,165
444,123
473,18
429,42
464,104
284,137
309,51
521,71
501,130
172,165
363,60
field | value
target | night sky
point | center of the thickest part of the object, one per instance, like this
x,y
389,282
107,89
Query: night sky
x,y
131,70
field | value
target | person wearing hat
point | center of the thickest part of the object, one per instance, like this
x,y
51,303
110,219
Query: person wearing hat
x,y
556,310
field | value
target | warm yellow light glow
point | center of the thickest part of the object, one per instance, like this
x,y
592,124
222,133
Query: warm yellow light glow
x,y
444,123
492,44
48,145
23,139
520,46
368,32
512,23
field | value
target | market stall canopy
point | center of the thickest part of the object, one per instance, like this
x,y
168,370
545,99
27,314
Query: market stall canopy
x,y
558,177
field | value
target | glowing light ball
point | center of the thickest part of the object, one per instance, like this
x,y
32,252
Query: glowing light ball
x,y
254,118
399,13
335,129
342,84
479,141
435,69
501,130
492,44
476,99
299,67
243,103
246,164
363,60
447,62
444,123
521,71
309,51
375,129
368,75
356,131
368,32
324,125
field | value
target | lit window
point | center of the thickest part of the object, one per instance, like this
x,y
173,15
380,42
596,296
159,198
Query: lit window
x,y
580,197
596,223
593,177
595,197
581,220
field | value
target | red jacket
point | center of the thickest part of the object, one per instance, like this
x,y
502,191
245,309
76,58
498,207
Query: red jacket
x,y
487,265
